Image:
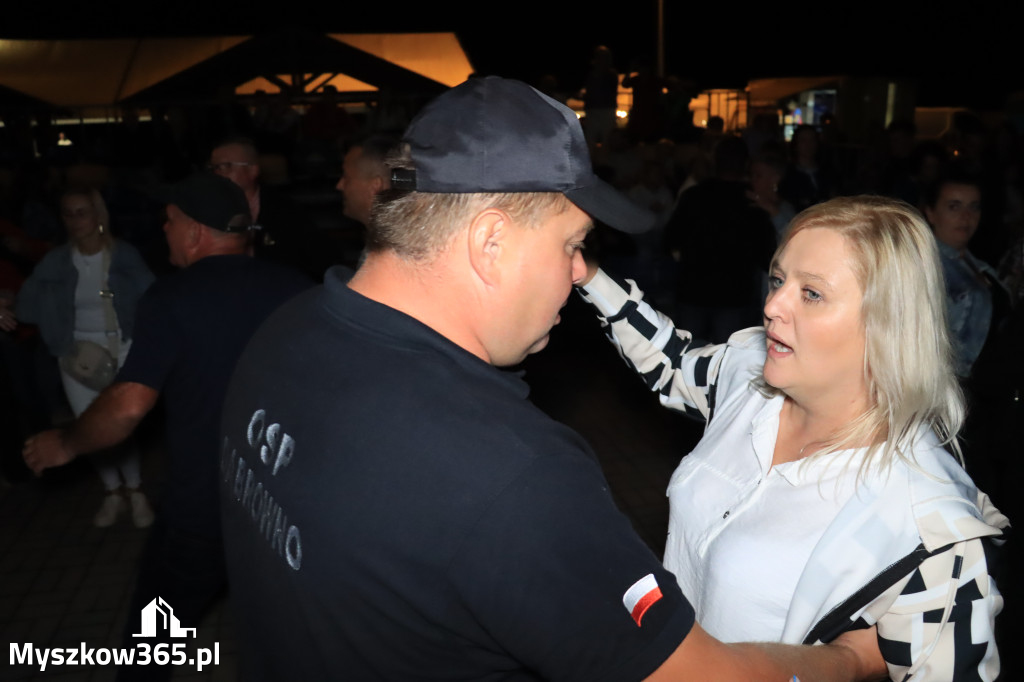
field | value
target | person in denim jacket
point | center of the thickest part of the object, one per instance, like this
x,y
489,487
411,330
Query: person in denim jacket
x,y
953,209
64,297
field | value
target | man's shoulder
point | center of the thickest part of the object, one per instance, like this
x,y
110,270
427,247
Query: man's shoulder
x,y
275,272
220,279
386,358
230,268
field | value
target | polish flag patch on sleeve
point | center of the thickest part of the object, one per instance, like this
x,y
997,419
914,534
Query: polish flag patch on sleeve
x,y
641,596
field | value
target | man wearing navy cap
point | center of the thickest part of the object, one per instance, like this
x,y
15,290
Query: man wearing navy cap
x,y
190,329
394,508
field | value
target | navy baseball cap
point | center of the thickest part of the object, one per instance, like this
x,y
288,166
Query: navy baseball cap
x,y
211,200
498,135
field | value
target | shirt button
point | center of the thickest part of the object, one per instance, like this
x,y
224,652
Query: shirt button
x,y
725,515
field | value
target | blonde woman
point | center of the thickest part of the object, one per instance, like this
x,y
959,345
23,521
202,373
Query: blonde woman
x,y
69,295
821,497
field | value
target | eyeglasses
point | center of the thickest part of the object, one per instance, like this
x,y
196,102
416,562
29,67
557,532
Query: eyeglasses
x,y
225,166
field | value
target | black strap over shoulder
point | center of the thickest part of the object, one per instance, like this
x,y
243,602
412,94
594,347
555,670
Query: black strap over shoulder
x,y
838,620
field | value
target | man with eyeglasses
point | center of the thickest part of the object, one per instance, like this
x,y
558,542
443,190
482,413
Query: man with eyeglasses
x,y
284,233
238,161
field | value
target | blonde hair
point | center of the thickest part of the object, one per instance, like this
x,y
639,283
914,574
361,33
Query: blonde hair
x,y
908,358
418,225
99,207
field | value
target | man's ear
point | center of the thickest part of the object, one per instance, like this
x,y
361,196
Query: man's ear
x,y
195,232
193,238
488,244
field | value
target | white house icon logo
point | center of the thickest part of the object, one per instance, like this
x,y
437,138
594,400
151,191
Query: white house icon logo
x,y
159,614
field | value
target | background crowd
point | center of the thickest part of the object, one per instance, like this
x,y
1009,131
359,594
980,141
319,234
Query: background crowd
x,y
723,198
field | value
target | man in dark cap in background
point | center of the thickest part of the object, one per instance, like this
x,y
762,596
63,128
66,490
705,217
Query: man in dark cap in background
x,y
394,508
191,327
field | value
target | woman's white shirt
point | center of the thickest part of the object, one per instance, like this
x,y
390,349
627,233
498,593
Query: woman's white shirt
x,y
742,531
90,316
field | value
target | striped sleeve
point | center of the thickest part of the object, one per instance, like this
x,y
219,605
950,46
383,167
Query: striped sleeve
x,y
683,377
941,627
938,622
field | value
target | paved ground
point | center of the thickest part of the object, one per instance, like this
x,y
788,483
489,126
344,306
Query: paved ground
x,y
65,582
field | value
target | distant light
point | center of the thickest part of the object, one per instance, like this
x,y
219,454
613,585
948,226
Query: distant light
x,y
621,114
704,123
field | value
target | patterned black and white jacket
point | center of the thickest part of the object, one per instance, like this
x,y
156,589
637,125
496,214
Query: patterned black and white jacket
x,y
906,553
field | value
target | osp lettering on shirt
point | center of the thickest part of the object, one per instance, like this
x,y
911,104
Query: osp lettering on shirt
x,y
266,452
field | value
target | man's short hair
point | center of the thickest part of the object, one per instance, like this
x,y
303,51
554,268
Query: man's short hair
x,y
419,225
245,143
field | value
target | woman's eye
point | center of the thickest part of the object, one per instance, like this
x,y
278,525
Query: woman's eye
x,y
774,282
812,295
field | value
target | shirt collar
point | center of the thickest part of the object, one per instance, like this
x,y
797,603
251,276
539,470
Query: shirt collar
x,y
765,431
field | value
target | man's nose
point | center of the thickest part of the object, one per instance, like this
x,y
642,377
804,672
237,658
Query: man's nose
x,y
579,267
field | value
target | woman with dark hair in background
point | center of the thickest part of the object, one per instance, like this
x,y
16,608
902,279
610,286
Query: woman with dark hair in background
x,y
976,299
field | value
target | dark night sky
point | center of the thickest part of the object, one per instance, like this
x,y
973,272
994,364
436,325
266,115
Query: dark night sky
x,y
962,54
